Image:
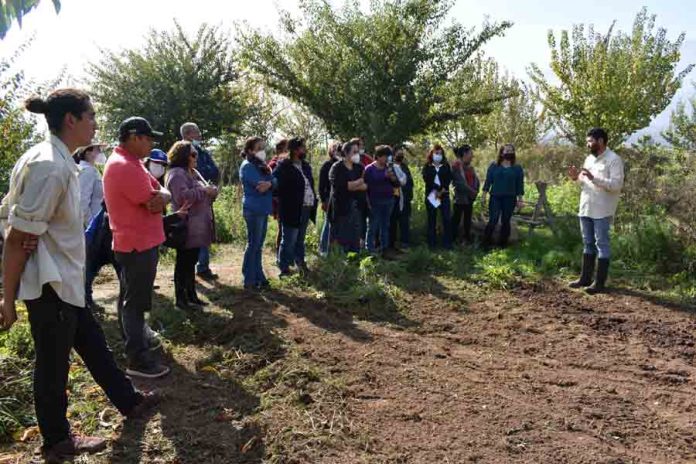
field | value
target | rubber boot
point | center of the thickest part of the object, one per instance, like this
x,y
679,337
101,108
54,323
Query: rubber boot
x,y
600,282
588,265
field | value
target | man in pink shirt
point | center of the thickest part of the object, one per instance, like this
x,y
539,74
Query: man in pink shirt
x,y
135,201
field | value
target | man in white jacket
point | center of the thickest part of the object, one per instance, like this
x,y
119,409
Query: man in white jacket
x,y
601,180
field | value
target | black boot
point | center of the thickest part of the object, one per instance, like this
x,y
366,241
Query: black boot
x,y
588,265
487,238
600,282
180,293
191,295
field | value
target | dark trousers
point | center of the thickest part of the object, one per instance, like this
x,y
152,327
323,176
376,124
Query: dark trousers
x,y
459,211
500,208
56,328
444,210
185,271
137,279
93,265
400,223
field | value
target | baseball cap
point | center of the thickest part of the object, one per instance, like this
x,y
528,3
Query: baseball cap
x,y
137,126
158,156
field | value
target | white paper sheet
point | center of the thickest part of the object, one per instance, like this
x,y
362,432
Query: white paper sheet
x,y
434,200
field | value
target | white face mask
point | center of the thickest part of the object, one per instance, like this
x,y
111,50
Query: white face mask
x,y
100,158
437,158
362,151
157,170
261,155
355,158
196,143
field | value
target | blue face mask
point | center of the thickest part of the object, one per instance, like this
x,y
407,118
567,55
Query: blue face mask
x,y
437,158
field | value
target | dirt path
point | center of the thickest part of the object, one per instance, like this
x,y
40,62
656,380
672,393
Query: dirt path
x,y
538,374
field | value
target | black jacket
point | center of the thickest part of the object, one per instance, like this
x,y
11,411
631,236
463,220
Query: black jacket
x,y
341,197
407,190
290,192
324,183
445,176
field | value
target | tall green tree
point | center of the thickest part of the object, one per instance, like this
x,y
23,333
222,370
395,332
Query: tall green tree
x,y
615,80
681,132
16,9
18,128
172,78
386,74
515,120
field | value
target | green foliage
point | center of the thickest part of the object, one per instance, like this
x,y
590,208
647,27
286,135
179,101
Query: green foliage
x,y
16,354
17,128
617,81
17,9
682,126
170,79
514,120
387,74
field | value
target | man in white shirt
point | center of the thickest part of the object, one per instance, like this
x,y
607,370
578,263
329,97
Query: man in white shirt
x,y
44,202
601,180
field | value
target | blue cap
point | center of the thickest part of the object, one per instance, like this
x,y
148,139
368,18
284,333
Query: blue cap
x,y
158,156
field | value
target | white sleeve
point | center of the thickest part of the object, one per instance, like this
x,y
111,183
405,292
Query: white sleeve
x,y
86,179
614,183
400,175
97,197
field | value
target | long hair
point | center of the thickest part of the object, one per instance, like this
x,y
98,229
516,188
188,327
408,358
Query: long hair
x,y
251,156
249,145
510,157
436,147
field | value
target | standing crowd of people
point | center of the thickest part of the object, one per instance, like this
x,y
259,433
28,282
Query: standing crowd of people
x,y
62,221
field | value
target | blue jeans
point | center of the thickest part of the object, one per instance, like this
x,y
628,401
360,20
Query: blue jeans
x,y
595,236
445,214
324,241
203,260
292,242
252,266
500,208
378,227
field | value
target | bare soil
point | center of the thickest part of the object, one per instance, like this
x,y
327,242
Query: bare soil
x,y
537,374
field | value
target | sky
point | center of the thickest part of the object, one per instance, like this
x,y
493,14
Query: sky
x,y
74,37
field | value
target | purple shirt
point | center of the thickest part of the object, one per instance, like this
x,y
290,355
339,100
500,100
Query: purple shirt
x,y
379,187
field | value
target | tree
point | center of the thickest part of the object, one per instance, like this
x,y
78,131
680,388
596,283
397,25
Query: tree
x,y
682,126
18,128
16,9
172,79
387,74
481,77
514,120
617,81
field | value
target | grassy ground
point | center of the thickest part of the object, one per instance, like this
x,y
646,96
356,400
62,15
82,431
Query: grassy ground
x,y
432,358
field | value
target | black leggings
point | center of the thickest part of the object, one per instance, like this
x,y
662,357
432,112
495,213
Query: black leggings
x,y
459,211
185,269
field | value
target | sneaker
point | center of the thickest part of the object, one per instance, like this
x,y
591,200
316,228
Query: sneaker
x,y
152,339
148,400
207,275
76,444
147,371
